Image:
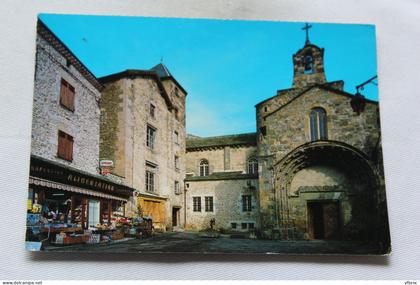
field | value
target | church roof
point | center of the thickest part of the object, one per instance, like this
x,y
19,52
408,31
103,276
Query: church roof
x,y
221,141
326,87
226,175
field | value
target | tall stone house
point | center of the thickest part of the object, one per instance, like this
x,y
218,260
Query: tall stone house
x,y
143,133
64,164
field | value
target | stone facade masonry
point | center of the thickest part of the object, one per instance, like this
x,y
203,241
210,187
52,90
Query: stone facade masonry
x,y
227,199
49,116
125,117
283,124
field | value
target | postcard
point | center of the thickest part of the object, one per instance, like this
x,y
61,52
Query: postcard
x,y
205,136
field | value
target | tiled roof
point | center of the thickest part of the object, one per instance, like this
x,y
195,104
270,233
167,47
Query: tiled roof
x,y
221,141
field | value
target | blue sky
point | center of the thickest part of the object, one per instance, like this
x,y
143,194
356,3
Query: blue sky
x,y
226,66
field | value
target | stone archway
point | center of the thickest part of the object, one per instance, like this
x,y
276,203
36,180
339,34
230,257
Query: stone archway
x,y
326,190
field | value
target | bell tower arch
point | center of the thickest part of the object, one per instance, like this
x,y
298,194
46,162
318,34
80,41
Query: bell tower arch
x,y
308,63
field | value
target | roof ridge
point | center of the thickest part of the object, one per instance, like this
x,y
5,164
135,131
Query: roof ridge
x,y
223,136
51,38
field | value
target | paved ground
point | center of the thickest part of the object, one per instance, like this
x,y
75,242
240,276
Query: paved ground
x,y
191,242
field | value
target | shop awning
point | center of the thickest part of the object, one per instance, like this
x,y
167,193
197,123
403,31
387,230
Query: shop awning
x,y
59,186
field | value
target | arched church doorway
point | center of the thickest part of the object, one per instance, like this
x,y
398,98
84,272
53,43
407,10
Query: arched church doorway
x,y
326,190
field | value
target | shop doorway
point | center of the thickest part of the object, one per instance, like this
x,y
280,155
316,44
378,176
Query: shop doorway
x,y
323,220
94,212
175,216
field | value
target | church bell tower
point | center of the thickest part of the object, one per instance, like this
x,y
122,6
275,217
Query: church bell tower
x,y
308,64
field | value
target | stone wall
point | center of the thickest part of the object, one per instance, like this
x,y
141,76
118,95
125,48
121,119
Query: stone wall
x,y
49,116
287,127
238,157
227,197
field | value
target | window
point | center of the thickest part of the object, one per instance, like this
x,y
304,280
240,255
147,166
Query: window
x,y
251,226
204,167
151,135
176,137
208,204
176,187
308,62
233,225
176,92
150,177
197,204
318,124
246,203
176,160
252,166
65,146
67,95
152,110
244,226
176,112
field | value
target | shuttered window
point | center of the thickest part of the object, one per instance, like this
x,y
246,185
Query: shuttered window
x,y
67,95
65,146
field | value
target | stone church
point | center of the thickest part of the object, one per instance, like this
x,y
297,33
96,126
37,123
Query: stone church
x,y
312,170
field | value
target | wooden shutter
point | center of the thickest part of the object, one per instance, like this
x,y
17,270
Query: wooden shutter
x,y
67,93
65,146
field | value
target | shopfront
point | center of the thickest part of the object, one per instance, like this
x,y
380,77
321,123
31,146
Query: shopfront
x,y
71,197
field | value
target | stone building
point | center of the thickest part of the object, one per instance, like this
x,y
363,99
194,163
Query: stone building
x,y
64,165
319,153
66,101
222,182
319,160
143,133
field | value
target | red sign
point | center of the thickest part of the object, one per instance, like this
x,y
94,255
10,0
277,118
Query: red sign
x,y
105,170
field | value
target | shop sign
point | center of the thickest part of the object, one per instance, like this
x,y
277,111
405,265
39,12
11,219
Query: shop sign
x,y
46,170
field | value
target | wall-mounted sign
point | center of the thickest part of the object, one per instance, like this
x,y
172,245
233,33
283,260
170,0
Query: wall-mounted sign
x,y
106,163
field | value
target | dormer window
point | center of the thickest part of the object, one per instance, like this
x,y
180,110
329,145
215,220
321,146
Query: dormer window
x,y
308,63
